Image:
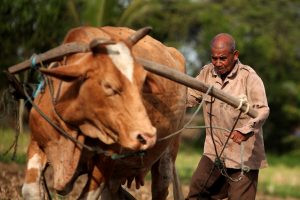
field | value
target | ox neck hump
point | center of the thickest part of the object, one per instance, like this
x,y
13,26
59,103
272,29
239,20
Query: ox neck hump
x,y
122,60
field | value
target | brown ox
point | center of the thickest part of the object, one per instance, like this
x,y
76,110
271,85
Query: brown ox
x,y
106,99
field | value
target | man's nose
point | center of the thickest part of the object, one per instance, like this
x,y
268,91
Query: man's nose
x,y
218,63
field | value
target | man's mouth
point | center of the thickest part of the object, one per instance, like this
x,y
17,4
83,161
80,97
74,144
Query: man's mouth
x,y
220,70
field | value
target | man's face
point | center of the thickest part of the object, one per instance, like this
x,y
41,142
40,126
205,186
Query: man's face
x,y
223,59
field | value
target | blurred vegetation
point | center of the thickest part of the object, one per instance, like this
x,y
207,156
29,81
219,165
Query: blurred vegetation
x,y
7,139
267,35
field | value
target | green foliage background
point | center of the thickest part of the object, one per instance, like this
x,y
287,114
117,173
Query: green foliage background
x,y
267,35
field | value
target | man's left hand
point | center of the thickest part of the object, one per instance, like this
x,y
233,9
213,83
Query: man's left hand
x,y
239,137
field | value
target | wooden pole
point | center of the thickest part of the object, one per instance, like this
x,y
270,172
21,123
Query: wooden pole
x,y
51,55
153,67
191,82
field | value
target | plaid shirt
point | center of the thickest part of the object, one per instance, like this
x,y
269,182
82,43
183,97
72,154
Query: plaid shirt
x,y
242,81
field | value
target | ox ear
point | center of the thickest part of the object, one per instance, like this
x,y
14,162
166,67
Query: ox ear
x,y
64,73
133,39
98,45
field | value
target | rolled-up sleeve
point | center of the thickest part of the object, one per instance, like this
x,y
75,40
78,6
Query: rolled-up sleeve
x,y
258,100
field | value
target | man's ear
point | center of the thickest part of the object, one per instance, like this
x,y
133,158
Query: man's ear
x,y
236,55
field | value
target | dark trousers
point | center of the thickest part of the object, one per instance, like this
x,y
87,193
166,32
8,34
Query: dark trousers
x,y
208,183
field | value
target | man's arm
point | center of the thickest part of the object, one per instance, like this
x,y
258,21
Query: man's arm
x,y
258,100
194,97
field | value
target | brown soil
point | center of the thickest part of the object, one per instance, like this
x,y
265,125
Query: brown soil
x,y
12,177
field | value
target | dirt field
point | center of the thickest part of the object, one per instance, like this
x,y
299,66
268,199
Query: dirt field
x,y
11,180
12,176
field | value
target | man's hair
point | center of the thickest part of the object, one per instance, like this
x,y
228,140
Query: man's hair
x,y
226,40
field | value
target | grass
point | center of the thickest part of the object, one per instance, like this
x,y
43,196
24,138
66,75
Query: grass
x,y
280,179
7,137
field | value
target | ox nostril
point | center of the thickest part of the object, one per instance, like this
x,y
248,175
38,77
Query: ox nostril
x,y
140,138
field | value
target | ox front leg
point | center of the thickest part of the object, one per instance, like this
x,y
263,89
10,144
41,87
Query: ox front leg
x,y
36,161
161,175
94,185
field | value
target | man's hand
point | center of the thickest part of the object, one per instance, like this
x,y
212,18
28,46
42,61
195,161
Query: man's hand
x,y
238,137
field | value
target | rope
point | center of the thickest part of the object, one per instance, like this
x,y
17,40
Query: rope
x,y
219,163
192,118
224,170
44,182
54,125
211,131
33,61
41,84
244,168
39,88
204,127
243,100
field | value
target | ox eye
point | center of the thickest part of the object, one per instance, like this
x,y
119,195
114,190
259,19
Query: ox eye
x,y
109,90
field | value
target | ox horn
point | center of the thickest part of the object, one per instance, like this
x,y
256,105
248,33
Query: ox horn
x,y
97,44
133,39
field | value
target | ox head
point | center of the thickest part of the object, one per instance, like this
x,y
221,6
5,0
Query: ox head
x,y
103,94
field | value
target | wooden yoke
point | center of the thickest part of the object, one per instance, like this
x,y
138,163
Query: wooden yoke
x,y
191,82
49,56
169,73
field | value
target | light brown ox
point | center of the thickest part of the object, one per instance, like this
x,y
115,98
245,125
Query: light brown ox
x,y
108,100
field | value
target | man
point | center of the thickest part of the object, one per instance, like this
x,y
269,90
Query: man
x,y
229,169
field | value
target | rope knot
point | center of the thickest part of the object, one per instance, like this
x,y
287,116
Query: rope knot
x,y
243,101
